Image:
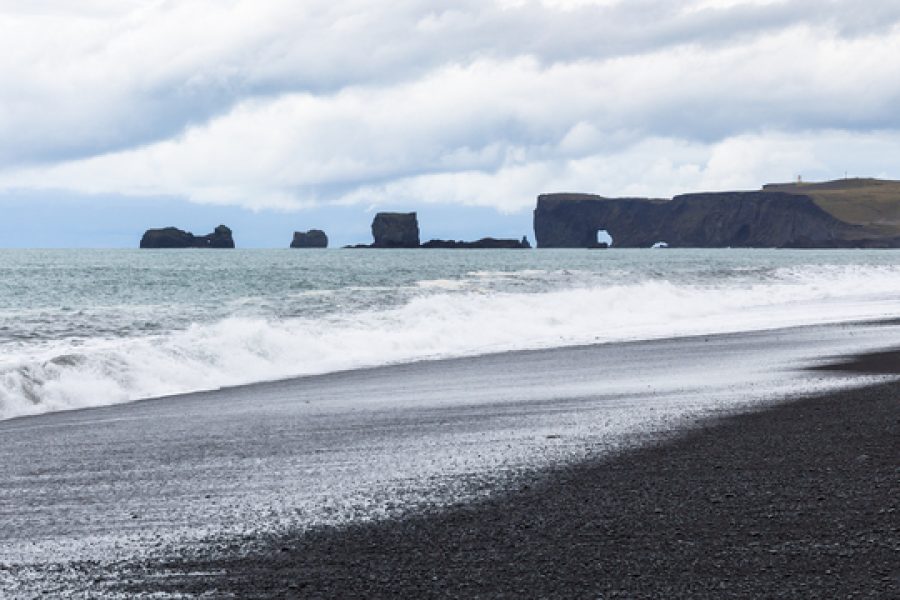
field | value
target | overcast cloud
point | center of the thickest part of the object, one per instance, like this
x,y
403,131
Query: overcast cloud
x,y
286,104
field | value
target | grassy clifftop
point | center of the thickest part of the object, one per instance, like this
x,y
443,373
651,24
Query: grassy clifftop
x,y
872,203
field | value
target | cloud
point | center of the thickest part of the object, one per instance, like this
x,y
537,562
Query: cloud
x,y
656,167
286,105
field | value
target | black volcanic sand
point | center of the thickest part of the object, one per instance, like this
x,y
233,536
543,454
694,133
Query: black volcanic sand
x,y
872,362
796,501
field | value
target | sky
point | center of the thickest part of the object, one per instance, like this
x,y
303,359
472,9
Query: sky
x,y
272,116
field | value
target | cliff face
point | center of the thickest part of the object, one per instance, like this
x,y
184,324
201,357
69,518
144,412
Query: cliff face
x,y
764,219
172,237
395,230
314,238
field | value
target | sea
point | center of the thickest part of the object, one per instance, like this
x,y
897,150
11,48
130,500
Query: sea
x,y
82,328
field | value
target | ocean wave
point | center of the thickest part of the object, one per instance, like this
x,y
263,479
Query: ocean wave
x,y
435,324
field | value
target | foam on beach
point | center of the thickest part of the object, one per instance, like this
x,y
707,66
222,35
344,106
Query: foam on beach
x,y
439,319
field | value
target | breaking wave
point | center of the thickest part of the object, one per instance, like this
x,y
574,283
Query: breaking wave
x,y
446,319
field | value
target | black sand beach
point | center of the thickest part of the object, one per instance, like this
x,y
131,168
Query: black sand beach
x,y
796,501
692,467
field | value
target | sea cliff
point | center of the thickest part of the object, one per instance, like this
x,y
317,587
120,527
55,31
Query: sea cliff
x,y
784,216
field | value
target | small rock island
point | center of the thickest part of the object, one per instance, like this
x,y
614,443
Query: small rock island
x,y
486,243
172,237
314,238
401,230
395,230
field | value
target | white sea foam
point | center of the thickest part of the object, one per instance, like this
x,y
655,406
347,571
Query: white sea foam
x,y
439,322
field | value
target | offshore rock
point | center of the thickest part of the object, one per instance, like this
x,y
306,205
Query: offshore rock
x,y
172,237
488,242
314,238
395,230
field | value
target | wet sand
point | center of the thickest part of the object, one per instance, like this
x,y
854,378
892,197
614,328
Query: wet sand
x,y
666,468
797,501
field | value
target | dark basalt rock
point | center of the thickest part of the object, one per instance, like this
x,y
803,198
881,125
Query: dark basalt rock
x,y
314,238
764,219
395,230
172,237
488,242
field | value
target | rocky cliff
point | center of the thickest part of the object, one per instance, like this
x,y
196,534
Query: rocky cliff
x,y
172,237
314,238
768,218
395,230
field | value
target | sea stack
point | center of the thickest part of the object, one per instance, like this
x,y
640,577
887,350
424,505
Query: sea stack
x,y
314,238
172,237
395,230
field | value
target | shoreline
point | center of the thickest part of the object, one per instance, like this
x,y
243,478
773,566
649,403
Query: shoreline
x,y
500,354
794,500
96,498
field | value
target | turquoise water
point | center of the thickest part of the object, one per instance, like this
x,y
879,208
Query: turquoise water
x,y
85,327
